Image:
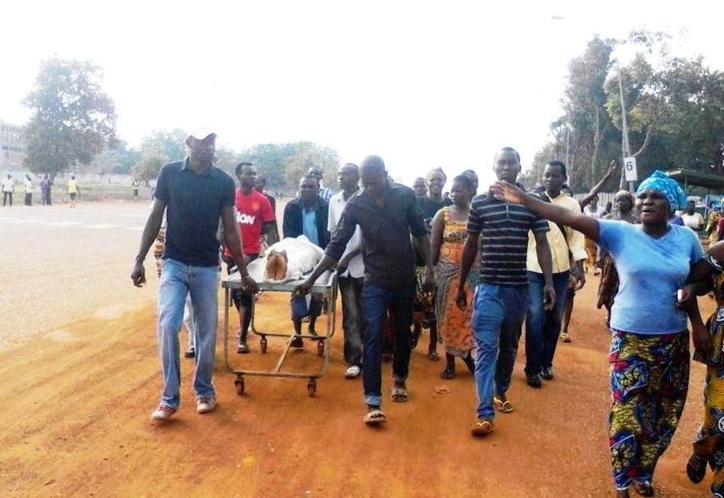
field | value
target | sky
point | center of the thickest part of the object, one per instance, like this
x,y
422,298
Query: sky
x,y
422,84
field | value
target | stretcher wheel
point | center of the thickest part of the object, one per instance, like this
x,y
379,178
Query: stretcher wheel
x,y
239,383
312,387
263,344
320,347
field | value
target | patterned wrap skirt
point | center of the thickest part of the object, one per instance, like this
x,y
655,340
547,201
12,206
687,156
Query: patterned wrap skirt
x,y
649,382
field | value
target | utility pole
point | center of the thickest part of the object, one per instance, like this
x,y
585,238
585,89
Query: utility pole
x,y
625,147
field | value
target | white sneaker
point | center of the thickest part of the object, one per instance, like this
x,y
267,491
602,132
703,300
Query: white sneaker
x,y
353,372
163,412
205,404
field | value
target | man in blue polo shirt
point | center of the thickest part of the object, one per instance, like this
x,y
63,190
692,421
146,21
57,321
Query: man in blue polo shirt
x,y
195,196
501,298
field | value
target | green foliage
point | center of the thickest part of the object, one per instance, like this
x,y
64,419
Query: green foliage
x,y
269,161
72,118
149,165
227,159
171,144
674,111
307,155
284,165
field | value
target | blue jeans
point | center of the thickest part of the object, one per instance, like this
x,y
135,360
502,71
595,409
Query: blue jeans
x,y
202,283
375,302
498,315
351,290
543,327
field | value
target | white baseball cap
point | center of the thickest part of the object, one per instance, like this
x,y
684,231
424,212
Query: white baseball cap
x,y
201,133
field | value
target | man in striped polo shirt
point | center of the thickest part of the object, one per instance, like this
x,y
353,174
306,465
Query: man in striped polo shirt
x,y
501,298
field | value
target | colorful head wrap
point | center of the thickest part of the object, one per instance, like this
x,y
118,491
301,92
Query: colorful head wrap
x,y
437,172
666,185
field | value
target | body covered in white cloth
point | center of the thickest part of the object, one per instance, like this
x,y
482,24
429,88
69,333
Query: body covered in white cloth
x,y
291,258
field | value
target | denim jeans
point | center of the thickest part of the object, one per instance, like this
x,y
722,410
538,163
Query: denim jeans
x,y
202,283
543,327
351,290
498,315
375,302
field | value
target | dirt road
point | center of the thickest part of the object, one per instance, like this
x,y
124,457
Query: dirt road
x,y
79,384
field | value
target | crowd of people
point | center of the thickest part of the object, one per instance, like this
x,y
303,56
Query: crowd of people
x,y
8,189
473,269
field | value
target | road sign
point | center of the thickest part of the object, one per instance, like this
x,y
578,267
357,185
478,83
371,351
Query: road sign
x,y
629,167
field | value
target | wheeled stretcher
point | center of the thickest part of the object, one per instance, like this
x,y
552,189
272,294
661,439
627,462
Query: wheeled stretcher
x,y
326,285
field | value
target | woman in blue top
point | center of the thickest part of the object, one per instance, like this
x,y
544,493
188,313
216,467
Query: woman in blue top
x,y
649,354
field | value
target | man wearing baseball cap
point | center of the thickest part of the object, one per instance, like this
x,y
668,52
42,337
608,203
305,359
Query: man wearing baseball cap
x,y
195,195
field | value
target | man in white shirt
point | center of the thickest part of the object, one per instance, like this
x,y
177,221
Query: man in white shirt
x,y
350,272
8,189
691,218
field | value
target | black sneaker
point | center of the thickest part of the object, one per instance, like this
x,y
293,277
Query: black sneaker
x,y
297,342
243,348
533,380
547,373
190,352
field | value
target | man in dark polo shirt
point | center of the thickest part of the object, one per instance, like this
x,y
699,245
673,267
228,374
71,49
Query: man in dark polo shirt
x,y
195,196
386,213
501,298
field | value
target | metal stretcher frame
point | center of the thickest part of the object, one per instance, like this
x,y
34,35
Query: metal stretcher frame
x,y
326,285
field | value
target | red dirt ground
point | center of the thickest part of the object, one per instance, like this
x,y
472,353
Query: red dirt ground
x,y
75,422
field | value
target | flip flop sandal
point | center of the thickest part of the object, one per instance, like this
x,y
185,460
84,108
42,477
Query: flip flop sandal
x,y
503,406
433,356
483,427
644,488
399,394
448,373
375,417
696,468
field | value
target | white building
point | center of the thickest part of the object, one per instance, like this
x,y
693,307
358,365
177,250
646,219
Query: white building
x,y
12,146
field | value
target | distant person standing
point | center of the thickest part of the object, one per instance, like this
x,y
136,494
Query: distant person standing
x,y
28,184
45,190
324,193
196,196
73,190
597,212
691,218
8,189
350,272
430,204
261,188
135,184
419,187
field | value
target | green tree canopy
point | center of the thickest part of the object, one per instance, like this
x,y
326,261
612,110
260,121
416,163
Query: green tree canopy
x,y
283,165
674,109
72,118
149,166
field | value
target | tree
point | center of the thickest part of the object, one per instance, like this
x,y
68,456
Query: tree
x,y
172,143
283,165
306,155
584,104
72,118
269,161
149,166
